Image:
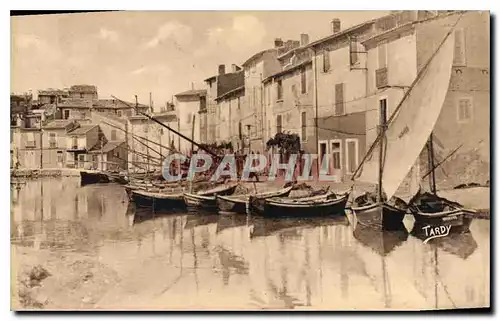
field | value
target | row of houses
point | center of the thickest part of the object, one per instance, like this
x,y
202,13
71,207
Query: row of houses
x,y
328,91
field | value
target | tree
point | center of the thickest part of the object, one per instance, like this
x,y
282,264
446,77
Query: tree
x,y
286,143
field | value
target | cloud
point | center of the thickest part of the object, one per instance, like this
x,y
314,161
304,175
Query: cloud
x,y
178,33
109,35
138,71
29,44
157,69
246,32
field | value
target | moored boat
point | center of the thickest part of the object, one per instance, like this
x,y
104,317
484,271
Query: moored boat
x,y
256,204
159,201
334,205
385,215
239,203
431,211
91,177
207,200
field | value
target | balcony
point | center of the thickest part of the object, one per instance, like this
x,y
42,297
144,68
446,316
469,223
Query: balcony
x,y
381,79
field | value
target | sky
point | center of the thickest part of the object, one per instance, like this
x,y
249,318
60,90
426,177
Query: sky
x,y
158,52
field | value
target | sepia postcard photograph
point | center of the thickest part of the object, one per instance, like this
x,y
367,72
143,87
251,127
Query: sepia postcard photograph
x,y
250,160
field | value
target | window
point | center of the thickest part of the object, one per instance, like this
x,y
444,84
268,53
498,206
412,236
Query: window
x,y
82,95
278,124
240,130
336,154
52,140
113,134
279,90
303,124
60,157
239,103
353,51
303,84
352,154
31,140
66,114
119,113
326,60
322,152
382,55
459,58
254,97
464,109
269,128
74,144
339,99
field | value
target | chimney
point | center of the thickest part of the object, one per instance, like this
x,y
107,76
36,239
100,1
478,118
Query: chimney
x,y
335,26
304,39
222,69
278,43
235,68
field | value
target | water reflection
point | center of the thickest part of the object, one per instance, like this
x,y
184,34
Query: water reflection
x,y
239,262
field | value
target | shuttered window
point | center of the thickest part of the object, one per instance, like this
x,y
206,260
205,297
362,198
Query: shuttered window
x,y
326,60
303,125
278,124
459,58
353,51
303,81
382,55
464,109
339,99
279,90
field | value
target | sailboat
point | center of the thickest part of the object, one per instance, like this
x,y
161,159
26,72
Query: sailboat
x,y
401,139
431,211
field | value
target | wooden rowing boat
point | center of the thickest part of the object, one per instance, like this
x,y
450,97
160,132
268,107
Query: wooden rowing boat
x,y
434,211
239,203
93,177
381,216
207,200
159,201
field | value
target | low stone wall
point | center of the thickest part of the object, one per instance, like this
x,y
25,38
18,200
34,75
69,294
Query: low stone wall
x,y
45,172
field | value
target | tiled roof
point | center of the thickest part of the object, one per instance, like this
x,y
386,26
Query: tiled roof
x,y
113,103
193,92
83,129
110,145
257,56
58,123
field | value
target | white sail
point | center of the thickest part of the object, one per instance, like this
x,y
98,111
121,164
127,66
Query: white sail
x,y
409,130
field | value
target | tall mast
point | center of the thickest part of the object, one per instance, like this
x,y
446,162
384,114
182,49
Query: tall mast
x,y
383,115
430,158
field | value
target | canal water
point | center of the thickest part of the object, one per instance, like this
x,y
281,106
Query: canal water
x,y
190,261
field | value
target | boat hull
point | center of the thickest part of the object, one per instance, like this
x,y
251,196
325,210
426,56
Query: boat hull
x,y
195,202
458,220
241,205
231,206
431,211
164,203
206,201
277,209
380,216
87,178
